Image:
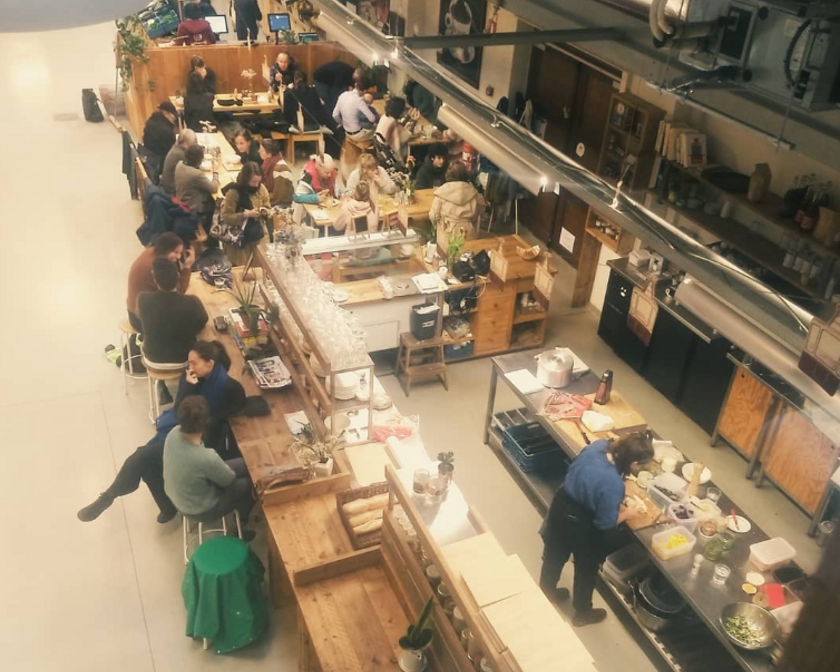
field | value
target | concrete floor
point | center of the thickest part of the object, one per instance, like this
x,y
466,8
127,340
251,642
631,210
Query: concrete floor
x,y
106,595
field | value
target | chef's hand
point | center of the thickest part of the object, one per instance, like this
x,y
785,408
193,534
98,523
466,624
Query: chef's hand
x,y
626,513
251,213
189,257
192,379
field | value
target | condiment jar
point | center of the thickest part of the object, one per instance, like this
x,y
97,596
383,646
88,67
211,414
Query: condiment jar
x,y
713,550
458,620
443,592
433,576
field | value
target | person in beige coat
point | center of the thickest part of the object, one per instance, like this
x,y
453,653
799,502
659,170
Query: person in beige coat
x,y
457,205
355,208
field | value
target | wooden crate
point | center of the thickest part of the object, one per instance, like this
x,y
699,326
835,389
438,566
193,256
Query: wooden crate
x,y
367,539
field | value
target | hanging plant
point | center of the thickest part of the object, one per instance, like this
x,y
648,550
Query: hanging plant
x,y
131,48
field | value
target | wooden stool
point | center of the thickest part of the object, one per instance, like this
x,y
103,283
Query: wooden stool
x,y
315,136
432,364
201,520
126,332
163,373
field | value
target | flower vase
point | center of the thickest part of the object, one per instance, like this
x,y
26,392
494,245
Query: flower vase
x,y
413,661
323,469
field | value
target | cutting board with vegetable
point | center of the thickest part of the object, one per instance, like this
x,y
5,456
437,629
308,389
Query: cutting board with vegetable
x,y
653,513
625,418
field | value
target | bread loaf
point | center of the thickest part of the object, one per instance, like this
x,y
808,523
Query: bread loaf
x,y
357,506
370,526
365,517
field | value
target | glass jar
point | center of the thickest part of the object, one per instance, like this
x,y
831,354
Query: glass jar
x,y
727,540
713,550
421,481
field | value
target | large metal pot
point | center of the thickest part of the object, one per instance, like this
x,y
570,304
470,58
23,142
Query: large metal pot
x,y
646,617
656,603
555,367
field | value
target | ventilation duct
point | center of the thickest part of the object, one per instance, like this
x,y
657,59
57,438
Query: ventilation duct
x,y
29,15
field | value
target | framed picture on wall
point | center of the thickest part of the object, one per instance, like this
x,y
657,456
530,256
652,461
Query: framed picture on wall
x,y
375,12
462,17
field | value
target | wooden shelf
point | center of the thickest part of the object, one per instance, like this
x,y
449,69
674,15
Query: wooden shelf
x,y
750,244
520,317
448,340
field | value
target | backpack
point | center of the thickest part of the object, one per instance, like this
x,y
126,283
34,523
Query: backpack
x,y
90,106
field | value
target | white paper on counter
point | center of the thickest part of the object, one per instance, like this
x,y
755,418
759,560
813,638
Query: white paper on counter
x,y
524,381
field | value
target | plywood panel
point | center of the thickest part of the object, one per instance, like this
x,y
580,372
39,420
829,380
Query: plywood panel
x,y
745,412
800,459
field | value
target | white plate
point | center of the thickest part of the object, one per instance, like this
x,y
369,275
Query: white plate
x,y
743,526
340,296
755,578
688,472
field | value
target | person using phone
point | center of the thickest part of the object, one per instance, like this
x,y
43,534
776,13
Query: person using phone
x,y
207,375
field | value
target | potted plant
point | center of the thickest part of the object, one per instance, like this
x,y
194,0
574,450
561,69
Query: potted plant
x,y
415,642
446,465
250,312
454,245
316,454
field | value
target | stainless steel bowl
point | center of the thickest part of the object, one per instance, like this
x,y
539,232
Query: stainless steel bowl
x,y
758,615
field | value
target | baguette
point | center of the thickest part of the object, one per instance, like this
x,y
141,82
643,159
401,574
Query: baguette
x,y
365,517
357,506
370,526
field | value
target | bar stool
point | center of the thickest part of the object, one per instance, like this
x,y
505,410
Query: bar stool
x,y
418,360
160,372
126,332
200,521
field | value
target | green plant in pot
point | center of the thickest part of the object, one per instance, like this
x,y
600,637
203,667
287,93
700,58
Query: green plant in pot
x,y
453,248
415,642
245,295
315,453
446,465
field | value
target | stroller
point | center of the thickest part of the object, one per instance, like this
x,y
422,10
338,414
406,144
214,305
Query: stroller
x,y
386,156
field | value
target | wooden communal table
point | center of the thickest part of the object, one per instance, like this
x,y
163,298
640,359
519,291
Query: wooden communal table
x,y
247,107
418,209
231,163
417,138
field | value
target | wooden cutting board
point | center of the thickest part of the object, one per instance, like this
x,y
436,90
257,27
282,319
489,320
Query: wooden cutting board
x,y
653,511
625,417
496,579
473,551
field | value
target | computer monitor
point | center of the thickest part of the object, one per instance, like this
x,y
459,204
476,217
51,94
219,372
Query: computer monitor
x,y
306,38
278,22
218,24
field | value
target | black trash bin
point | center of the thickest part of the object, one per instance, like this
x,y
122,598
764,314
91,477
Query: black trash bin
x,y
424,325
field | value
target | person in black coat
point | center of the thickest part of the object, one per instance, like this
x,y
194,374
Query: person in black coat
x,y
158,138
197,65
198,103
248,16
305,98
246,147
282,71
432,173
332,79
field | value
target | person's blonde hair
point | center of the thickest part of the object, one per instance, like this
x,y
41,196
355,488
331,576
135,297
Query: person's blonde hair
x,y
367,162
362,191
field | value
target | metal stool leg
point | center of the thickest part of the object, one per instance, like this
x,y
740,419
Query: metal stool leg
x,y
124,348
238,523
152,399
186,527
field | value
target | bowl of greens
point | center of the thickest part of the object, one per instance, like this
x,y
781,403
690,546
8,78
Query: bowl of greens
x,y
749,626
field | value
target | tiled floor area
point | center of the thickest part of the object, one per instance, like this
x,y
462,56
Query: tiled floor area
x,y
106,596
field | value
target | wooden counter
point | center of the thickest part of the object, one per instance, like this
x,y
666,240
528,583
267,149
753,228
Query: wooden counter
x,y
247,107
418,209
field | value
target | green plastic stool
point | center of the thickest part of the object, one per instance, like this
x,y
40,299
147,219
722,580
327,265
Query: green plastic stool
x,y
222,590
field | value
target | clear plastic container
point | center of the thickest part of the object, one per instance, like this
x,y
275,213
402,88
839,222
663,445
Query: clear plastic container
x,y
670,482
624,564
693,516
660,540
770,554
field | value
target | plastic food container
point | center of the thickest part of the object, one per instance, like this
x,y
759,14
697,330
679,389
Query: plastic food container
x,y
693,516
660,540
670,482
767,555
626,563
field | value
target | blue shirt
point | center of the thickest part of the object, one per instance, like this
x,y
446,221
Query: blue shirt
x,y
353,113
594,483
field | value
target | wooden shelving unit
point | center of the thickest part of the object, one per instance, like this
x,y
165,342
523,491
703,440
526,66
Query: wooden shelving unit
x,y
631,130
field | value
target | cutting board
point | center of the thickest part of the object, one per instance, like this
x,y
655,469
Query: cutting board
x,y
537,637
496,579
368,462
473,551
653,511
625,417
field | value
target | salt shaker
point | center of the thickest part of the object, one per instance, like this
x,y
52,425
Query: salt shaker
x,y
695,567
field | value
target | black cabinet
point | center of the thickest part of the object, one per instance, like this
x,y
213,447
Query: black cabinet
x,y
670,347
705,381
613,325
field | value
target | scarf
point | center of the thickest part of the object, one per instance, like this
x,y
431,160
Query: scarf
x,y
212,388
268,171
244,200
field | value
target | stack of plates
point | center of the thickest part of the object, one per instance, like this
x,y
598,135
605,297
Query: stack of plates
x,y
346,385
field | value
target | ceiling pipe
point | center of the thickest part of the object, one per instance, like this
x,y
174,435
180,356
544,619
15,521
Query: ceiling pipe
x,y
757,302
505,39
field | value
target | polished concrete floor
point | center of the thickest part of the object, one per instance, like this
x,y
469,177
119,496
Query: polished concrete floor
x,y
106,596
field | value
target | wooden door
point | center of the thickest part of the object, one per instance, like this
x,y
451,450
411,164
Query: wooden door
x,y
552,89
800,459
745,412
571,216
589,116
538,213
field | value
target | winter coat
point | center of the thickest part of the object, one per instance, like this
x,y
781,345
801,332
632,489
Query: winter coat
x,y
158,134
429,177
457,205
164,214
351,210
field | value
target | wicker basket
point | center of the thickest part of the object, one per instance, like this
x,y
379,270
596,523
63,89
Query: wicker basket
x,y
367,539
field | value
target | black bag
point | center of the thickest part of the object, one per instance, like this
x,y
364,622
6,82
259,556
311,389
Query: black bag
x,y
481,263
90,106
463,271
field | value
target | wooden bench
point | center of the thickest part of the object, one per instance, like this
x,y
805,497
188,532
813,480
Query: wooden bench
x,y
420,360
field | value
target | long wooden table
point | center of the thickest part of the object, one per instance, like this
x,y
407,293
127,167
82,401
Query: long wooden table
x,y
418,209
417,138
247,107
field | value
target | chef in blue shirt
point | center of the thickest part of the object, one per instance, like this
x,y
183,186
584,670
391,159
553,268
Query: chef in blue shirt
x,y
588,504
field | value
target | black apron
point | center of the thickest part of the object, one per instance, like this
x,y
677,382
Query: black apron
x,y
571,525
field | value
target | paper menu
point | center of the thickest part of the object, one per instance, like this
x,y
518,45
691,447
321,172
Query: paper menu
x,y
524,381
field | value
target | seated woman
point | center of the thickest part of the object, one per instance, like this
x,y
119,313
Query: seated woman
x,y
356,210
370,171
246,203
277,176
197,65
392,132
195,29
206,376
246,147
195,478
198,103
457,204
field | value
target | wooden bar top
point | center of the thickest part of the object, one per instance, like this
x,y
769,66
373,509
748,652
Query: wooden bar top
x,y
419,207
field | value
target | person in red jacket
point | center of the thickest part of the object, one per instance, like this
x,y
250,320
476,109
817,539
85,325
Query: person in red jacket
x,y
195,29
